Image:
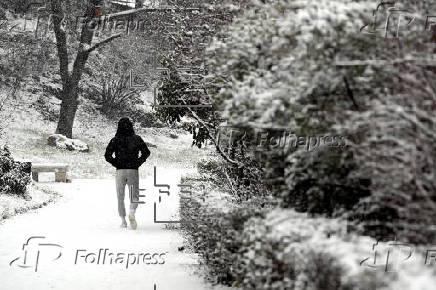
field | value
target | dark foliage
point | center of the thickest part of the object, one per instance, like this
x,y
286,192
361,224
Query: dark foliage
x,y
214,235
324,183
14,176
114,96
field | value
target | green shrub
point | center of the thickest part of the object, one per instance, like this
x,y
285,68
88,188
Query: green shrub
x,y
13,176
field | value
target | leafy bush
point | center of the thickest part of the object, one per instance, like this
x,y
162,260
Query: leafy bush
x,y
200,135
47,109
116,99
22,56
243,183
246,247
144,118
323,182
17,6
211,166
213,232
284,86
270,73
13,176
114,96
177,89
289,250
171,92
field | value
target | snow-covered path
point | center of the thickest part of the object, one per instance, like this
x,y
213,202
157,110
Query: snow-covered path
x,y
84,222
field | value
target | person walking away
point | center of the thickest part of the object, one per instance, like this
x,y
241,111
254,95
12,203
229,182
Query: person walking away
x,y
130,153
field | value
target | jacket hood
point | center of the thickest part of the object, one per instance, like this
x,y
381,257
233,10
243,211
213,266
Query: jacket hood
x,y
125,128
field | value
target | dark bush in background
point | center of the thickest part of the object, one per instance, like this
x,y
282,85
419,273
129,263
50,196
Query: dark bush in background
x,y
145,119
171,92
116,99
17,6
323,182
13,175
114,95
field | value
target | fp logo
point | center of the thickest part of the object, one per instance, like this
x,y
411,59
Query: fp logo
x,y
35,250
395,252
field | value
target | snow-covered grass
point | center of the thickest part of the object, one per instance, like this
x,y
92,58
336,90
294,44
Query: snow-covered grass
x,y
27,136
37,196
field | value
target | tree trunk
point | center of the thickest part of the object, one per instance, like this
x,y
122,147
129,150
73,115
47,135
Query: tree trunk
x,y
70,81
68,111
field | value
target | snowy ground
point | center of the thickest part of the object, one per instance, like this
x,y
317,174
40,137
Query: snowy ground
x,y
86,219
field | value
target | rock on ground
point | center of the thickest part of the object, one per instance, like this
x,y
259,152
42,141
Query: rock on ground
x,y
62,142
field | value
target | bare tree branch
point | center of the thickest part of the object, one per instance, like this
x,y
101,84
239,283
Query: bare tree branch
x,y
97,45
220,151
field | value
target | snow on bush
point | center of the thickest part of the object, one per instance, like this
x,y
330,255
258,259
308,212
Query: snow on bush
x,y
279,68
290,250
13,176
213,227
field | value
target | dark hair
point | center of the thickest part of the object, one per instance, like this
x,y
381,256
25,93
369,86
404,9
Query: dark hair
x,y
125,128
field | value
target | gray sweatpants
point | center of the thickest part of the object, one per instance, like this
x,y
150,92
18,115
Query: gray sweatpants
x,y
129,177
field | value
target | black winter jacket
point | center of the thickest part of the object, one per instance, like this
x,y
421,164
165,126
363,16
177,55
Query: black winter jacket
x,y
126,149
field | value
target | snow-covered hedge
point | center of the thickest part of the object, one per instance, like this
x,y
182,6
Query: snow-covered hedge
x,y
254,247
290,250
278,61
262,249
13,176
283,66
213,227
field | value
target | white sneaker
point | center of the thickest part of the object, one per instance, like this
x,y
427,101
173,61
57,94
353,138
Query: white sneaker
x,y
132,221
123,224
